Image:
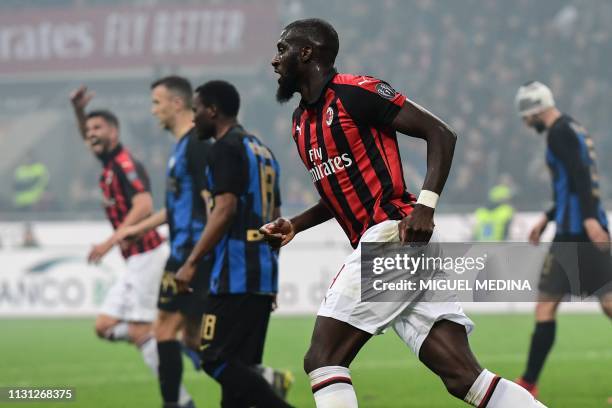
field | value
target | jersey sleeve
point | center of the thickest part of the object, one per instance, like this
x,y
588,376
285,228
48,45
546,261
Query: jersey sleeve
x,y
197,159
565,144
229,168
370,101
133,178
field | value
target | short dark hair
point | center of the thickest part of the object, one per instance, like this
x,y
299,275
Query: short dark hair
x,y
177,84
107,115
221,94
320,34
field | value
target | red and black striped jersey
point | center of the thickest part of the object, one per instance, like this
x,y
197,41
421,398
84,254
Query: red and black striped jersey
x,y
122,178
351,152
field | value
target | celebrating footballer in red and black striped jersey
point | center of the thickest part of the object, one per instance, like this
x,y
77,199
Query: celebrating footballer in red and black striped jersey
x,y
129,306
344,129
122,178
346,141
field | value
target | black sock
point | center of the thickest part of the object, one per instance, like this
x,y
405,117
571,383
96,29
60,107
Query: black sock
x,y
541,342
170,369
246,385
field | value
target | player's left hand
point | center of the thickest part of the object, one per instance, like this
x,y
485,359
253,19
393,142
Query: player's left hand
x,y
184,276
418,226
597,234
98,251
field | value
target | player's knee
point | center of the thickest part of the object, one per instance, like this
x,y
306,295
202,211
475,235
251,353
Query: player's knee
x,y
165,329
545,311
101,328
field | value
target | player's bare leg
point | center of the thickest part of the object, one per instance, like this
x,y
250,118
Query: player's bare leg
x,y
606,304
110,328
542,340
166,329
333,347
191,332
447,353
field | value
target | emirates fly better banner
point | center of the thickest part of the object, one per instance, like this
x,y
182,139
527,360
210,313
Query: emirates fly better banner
x,y
65,39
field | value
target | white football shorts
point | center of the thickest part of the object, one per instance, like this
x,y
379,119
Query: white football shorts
x,y
412,320
133,296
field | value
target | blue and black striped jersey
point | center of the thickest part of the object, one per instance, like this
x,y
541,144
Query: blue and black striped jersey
x,y
243,261
570,155
185,206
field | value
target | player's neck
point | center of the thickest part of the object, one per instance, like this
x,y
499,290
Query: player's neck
x,y
551,117
182,124
224,127
313,86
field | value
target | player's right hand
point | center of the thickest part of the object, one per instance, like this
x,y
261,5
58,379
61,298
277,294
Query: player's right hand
x,y
98,251
80,97
536,231
278,233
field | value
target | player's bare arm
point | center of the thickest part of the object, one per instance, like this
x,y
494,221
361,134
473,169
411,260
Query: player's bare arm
x,y
413,120
133,231
283,229
597,234
80,97
142,206
537,230
220,220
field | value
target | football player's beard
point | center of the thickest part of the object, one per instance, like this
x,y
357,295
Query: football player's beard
x,y
288,84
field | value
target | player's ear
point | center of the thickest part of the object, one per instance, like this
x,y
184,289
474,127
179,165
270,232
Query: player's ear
x,y
177,102
114,133
306,53
213,111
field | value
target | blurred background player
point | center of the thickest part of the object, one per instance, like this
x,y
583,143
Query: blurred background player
x,y
244,184
185,214
578,215
129,307
344,129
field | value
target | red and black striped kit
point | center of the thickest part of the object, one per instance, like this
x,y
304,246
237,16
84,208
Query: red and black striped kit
x,y
351,152
123,177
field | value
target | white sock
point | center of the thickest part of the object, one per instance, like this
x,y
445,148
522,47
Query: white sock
x,y
148,349
492,391
118,332
332,387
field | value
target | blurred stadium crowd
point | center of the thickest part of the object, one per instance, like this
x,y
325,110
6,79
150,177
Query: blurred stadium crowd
x,y
463,60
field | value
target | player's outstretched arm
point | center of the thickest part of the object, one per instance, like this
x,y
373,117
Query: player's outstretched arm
x,y
80,98
282,230
413,120
218,223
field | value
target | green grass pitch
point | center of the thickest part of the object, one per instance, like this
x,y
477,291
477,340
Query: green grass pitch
x,y
56,353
